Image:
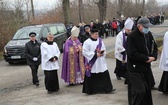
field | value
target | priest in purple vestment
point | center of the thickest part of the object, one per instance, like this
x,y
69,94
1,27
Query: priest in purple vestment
x,y
73,68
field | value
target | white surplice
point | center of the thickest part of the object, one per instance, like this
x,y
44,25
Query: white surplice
x,y
47,52
89,48
164,56
119,46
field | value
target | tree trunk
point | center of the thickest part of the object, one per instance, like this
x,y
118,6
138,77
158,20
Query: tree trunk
x,y
143,7
32,6
66,10
81,11
120,4
27,10
102,6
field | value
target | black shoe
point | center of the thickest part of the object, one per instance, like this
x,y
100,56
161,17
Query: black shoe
x,y
125,82
71,84
113,90
118,78
49,92
154,88
37,84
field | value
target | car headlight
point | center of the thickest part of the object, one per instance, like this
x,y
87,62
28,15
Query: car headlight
x,y
5,51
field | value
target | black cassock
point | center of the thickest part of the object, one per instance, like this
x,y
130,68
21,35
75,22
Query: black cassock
x,y
163,86
140,77
51,80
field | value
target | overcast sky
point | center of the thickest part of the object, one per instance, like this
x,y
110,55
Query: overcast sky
x,y
40,4
163,1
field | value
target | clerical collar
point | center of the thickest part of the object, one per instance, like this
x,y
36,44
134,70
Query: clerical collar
x,y
49,43
33,42
126,34
93,39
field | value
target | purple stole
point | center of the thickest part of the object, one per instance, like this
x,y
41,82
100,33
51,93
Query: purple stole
x,y
93,60
124,45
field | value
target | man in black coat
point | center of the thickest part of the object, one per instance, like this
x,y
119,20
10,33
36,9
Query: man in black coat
x,y
98,25
85,35
33,54
140,55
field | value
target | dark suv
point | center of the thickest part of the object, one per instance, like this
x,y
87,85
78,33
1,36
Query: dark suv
x,y
14,51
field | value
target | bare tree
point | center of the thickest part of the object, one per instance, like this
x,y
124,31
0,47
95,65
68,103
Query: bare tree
x,y
152,7
120,5
32,7
102,6
66,10
18,12
81,11
143,7
27,2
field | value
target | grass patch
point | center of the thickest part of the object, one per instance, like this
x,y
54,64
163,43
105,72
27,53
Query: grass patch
x,y
110,55
160,49
1,55
159,42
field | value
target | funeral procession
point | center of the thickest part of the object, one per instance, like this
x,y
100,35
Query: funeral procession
x,y
84,52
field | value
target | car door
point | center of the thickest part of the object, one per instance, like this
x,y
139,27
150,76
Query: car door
x,y
57,36
43,33
62,33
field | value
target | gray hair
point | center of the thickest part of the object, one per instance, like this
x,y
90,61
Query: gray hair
x,y
49,34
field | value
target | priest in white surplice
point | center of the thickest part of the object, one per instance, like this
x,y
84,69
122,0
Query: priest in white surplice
x,y
120,51
97,78
163,86
50,54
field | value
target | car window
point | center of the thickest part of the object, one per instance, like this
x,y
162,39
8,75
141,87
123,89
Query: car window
x,y
53,30
61,29
23,33
45,32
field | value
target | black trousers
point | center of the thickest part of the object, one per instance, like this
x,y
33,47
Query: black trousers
x,y
114,30
34,71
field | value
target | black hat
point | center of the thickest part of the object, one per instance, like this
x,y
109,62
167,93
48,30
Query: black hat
x,y
32,34
86,26
94,29
144,22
